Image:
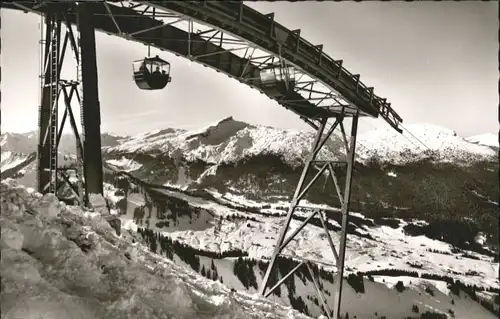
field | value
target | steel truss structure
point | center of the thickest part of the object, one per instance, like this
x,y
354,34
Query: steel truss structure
x,y
230,38
88,166
324,131
310,92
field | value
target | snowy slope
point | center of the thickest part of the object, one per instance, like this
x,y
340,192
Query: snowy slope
x,y
227,141
390,248
124,164
60,262
10,160
488,139
230,141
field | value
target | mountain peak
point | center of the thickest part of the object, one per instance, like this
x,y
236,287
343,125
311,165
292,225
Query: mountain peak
x,y
215,133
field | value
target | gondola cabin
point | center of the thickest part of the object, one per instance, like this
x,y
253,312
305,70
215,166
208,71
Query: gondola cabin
x,y
151,73
276,80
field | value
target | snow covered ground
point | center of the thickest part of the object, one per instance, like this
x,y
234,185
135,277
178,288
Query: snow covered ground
x,y
391,249
61,262
488,139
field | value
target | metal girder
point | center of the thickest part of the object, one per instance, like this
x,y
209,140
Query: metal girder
x,y
247,23
53,88
316,97
50,129
91,113
112,17
327,166
153,28
219,37
228,53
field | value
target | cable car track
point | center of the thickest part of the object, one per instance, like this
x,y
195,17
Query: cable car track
x,y
244,28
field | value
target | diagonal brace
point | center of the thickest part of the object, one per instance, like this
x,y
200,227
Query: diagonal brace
x,y
345,216
317,142
283,279
300,191
319,292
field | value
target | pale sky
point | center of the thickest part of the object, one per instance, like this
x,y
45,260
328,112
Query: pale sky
x,y
436,62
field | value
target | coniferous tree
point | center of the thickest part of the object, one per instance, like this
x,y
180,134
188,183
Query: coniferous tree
x,y
400,287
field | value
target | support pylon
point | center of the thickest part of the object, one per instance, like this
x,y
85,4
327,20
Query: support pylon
x,y
91,111
322,135
51,178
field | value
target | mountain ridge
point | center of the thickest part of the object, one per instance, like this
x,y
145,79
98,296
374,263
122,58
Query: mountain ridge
x,y
229,140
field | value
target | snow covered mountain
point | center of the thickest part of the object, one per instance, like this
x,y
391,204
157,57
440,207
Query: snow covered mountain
x,y
18,150
488,139
213,200
26,143
227,141
430,169
230,141
419,140
11,159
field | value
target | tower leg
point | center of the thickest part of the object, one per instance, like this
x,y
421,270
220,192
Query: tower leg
x,y
351,151
48,111
324,131
91,114
293,205
89,159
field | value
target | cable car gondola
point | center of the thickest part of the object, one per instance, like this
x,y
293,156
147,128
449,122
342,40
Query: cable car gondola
x,y
277,80
151,73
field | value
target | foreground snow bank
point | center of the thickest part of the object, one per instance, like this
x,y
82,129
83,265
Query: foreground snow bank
x,y
61,262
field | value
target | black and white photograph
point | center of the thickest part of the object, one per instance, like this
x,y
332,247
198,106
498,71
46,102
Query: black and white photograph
x,y
249,159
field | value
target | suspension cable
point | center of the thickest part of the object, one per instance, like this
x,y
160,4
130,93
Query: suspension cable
x,y
149,44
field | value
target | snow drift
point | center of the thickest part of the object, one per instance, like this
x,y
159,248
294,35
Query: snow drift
x,y
61,262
